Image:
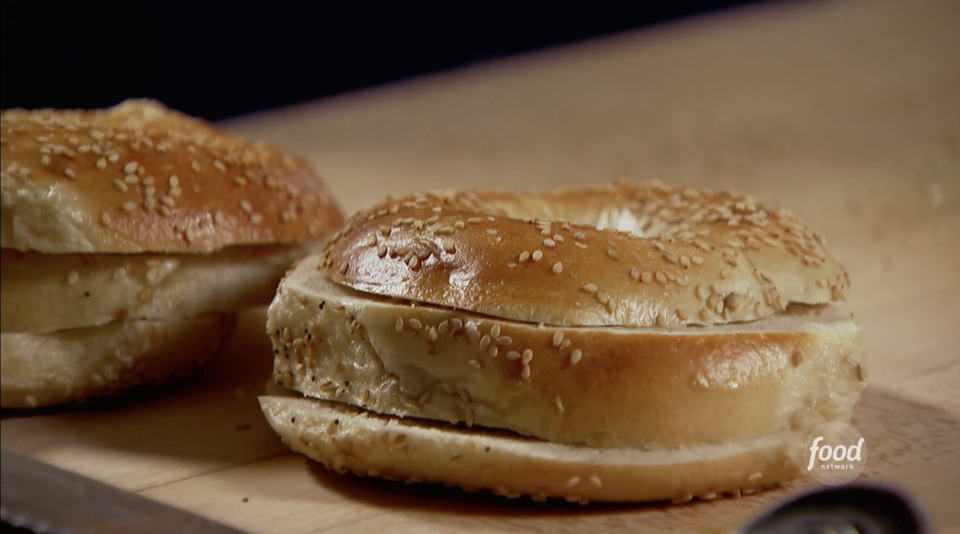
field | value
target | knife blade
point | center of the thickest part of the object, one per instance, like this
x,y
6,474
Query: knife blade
x,y
47,499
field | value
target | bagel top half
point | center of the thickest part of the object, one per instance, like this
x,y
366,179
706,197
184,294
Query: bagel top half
x,y
628,254
140,178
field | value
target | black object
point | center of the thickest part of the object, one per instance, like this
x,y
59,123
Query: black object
x,y
849,509
47,499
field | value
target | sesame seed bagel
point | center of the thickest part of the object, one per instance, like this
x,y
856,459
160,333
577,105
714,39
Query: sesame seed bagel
x,y
114,220
50,292
601,387
76,364
347,439
141,178
664,341
625,255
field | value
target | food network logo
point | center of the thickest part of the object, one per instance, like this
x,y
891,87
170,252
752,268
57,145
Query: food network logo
x,y
836,454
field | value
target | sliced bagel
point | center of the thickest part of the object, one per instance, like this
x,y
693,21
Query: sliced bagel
x,y
673,342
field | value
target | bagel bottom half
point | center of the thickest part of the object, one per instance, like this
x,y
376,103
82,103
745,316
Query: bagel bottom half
x,y
346,438
79,363
416,392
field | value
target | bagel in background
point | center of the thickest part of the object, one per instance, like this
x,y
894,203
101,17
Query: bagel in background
x,y
634,342
130,238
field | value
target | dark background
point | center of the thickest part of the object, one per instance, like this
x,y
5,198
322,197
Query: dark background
x,y
220,59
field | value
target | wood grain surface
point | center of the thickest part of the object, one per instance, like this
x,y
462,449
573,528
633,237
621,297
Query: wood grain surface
x,y
847,113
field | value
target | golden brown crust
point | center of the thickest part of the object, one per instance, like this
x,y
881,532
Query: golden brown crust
x,y
77,364
603,387
347,439
141,178
689,257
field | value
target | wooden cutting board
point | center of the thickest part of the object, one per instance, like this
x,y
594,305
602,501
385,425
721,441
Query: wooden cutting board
x,y
847,113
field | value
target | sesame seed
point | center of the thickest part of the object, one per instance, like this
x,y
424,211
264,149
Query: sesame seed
x,y
581,245
195,166
399,324
105,218
218,217
129,206
245,206
102,163
527,357
796,358
646,277
755,476
149,203
382,250
575,356
188,234
565,344
113,157
672,258
524,256
130,167
219,165
69,172
167,201
861,372
475,220
475,364
45,159
661,278
537,255
590,288
484,342
471,417
72,277
603,298
120,184
131,179
657,245
595,480
682,315
549,243
444,230
174,181
413,262
525,372
613,254
513,355
432,333
661,320
685,261
557,338
557,268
